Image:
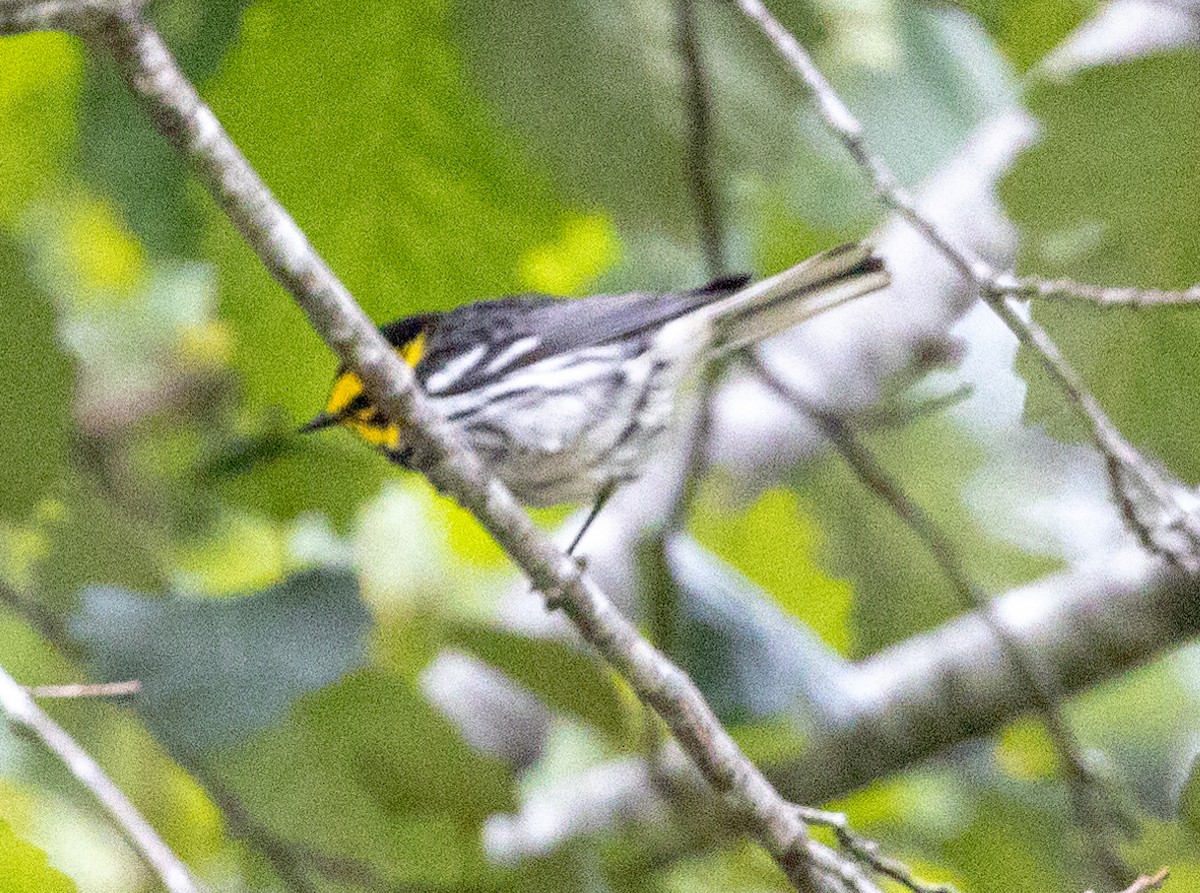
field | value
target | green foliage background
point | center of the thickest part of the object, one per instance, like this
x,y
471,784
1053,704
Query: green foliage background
x,y
280,597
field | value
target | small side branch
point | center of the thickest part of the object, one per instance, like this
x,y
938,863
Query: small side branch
x,y
1105,296
934,690
869,854
21,709
1148,882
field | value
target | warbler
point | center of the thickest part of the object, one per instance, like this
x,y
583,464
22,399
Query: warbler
x,y
566,398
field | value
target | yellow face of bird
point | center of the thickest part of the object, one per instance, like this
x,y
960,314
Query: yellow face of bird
x,y
348,404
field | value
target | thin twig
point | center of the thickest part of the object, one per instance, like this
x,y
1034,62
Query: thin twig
x,y
176,109
869,470
706,205
1084,784
1139,477
698,163
1105,296
868,852
17,703
88,690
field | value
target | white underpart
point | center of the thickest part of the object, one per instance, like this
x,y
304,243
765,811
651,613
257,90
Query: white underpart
x,y
560,429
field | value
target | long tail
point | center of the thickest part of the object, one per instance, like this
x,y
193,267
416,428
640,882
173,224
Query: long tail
x,y
820,283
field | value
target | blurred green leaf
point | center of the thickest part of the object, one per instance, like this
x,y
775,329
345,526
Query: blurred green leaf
x,y
769,741
566,679
398,789
24,868
124,157
737,868
1110,195
599,97
774,543
90,540
1014,843
356,117
39,87
212,671
1025,750
284,474
35,400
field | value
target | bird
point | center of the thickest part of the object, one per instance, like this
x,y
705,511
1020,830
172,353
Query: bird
x,y
564,399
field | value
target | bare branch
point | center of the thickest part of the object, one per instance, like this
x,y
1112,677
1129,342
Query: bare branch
x,y
632,790
17,703
707,206
939,688
872,474
1138,480
178,112
885,417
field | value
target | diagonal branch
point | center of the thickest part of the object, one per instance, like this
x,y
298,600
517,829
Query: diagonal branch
x,y
1148,496
937,689
19,705
177,111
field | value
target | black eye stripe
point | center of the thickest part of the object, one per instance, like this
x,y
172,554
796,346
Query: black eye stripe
x,y
357,405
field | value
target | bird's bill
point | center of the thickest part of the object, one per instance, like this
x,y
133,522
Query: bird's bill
x,y
320,421
349,407
347,388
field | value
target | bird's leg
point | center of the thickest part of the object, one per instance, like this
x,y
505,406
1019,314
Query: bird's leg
x,y
601,499
555,601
